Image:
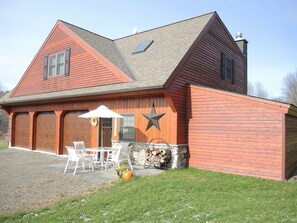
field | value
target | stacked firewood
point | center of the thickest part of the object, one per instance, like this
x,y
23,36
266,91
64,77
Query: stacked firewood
x,y
158,157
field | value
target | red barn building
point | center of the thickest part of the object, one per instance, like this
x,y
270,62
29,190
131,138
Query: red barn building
x,y
192,70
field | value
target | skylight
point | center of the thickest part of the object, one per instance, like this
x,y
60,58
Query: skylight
x,y
143,46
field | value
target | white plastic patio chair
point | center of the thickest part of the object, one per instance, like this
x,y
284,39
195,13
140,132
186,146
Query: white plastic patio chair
x,y
80,148
121,153
113,157
125,153
74,157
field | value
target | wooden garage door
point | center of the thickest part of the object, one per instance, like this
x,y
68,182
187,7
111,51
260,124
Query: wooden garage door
x,y
46,131
76,129
22,130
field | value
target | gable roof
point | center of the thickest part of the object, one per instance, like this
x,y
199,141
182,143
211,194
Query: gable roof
x,y
149,70
103,45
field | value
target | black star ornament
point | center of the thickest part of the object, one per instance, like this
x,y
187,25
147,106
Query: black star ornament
x,y
153,118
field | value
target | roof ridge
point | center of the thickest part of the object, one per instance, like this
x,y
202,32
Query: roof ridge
x,y
163,26
67,23
159,27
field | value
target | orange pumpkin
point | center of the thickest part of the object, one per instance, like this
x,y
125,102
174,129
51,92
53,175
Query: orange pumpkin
x,y
128,175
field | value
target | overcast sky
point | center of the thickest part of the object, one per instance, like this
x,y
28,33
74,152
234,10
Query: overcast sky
x,y
269,26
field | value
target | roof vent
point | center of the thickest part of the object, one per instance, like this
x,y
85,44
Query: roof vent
x,y
134,31
143,46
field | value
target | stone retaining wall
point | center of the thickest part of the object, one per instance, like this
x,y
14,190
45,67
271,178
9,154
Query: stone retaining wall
x,y
179,153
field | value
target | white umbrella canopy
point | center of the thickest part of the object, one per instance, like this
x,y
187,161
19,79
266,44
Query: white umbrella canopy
x,y
101,112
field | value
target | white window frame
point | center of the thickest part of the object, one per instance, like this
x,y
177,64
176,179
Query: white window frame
x,y
56,67
128,126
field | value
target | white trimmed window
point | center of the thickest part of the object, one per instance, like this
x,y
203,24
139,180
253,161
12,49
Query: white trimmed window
x,y
56,64
127,127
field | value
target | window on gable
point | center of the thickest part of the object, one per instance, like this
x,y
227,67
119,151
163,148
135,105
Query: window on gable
x,y
127,127
56,64
227,68
60,63
52,66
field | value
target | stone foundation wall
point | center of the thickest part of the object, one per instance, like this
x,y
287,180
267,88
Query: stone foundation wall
x,y
179,153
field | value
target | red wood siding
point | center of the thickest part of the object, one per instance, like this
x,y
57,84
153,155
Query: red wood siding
x,y
140,106
124,105
76,129
203,67
86,70
234,135
46,131
291,145
22,130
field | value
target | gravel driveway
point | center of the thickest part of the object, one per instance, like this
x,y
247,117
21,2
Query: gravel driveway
x,y
30,179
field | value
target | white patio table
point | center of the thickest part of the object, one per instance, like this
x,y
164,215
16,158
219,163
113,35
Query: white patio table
x,y
101,153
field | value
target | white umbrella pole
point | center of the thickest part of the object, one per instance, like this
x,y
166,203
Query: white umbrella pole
x,y
115,127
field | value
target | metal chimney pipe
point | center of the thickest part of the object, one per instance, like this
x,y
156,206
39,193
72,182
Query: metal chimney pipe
x,y
242,43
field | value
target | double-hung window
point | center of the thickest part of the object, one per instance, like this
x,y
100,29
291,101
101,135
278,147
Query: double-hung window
x,y
127,127
56,64
227,68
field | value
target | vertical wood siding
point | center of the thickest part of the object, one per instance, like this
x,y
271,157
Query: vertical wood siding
x,y
291,145
204,67
234,136
85,69
140,106
45,135
75,128
22,130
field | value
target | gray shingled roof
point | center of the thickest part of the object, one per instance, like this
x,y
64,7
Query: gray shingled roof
x,y
171,43
149,70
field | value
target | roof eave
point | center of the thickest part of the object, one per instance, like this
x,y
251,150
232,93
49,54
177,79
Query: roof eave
x,y
78,95
284,107
292,110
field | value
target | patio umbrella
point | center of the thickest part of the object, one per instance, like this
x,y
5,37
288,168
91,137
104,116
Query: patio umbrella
x,y
102,112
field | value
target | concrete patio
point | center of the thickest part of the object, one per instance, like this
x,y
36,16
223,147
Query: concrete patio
x,y
29,179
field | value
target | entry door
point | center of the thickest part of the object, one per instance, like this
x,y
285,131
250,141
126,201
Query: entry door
x,y
106,132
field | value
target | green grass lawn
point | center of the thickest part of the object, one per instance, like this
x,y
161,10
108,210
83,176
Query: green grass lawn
x,y
187,195
3,145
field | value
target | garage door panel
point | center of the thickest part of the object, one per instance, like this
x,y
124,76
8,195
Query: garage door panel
x,y
22,130
46,131
76,129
